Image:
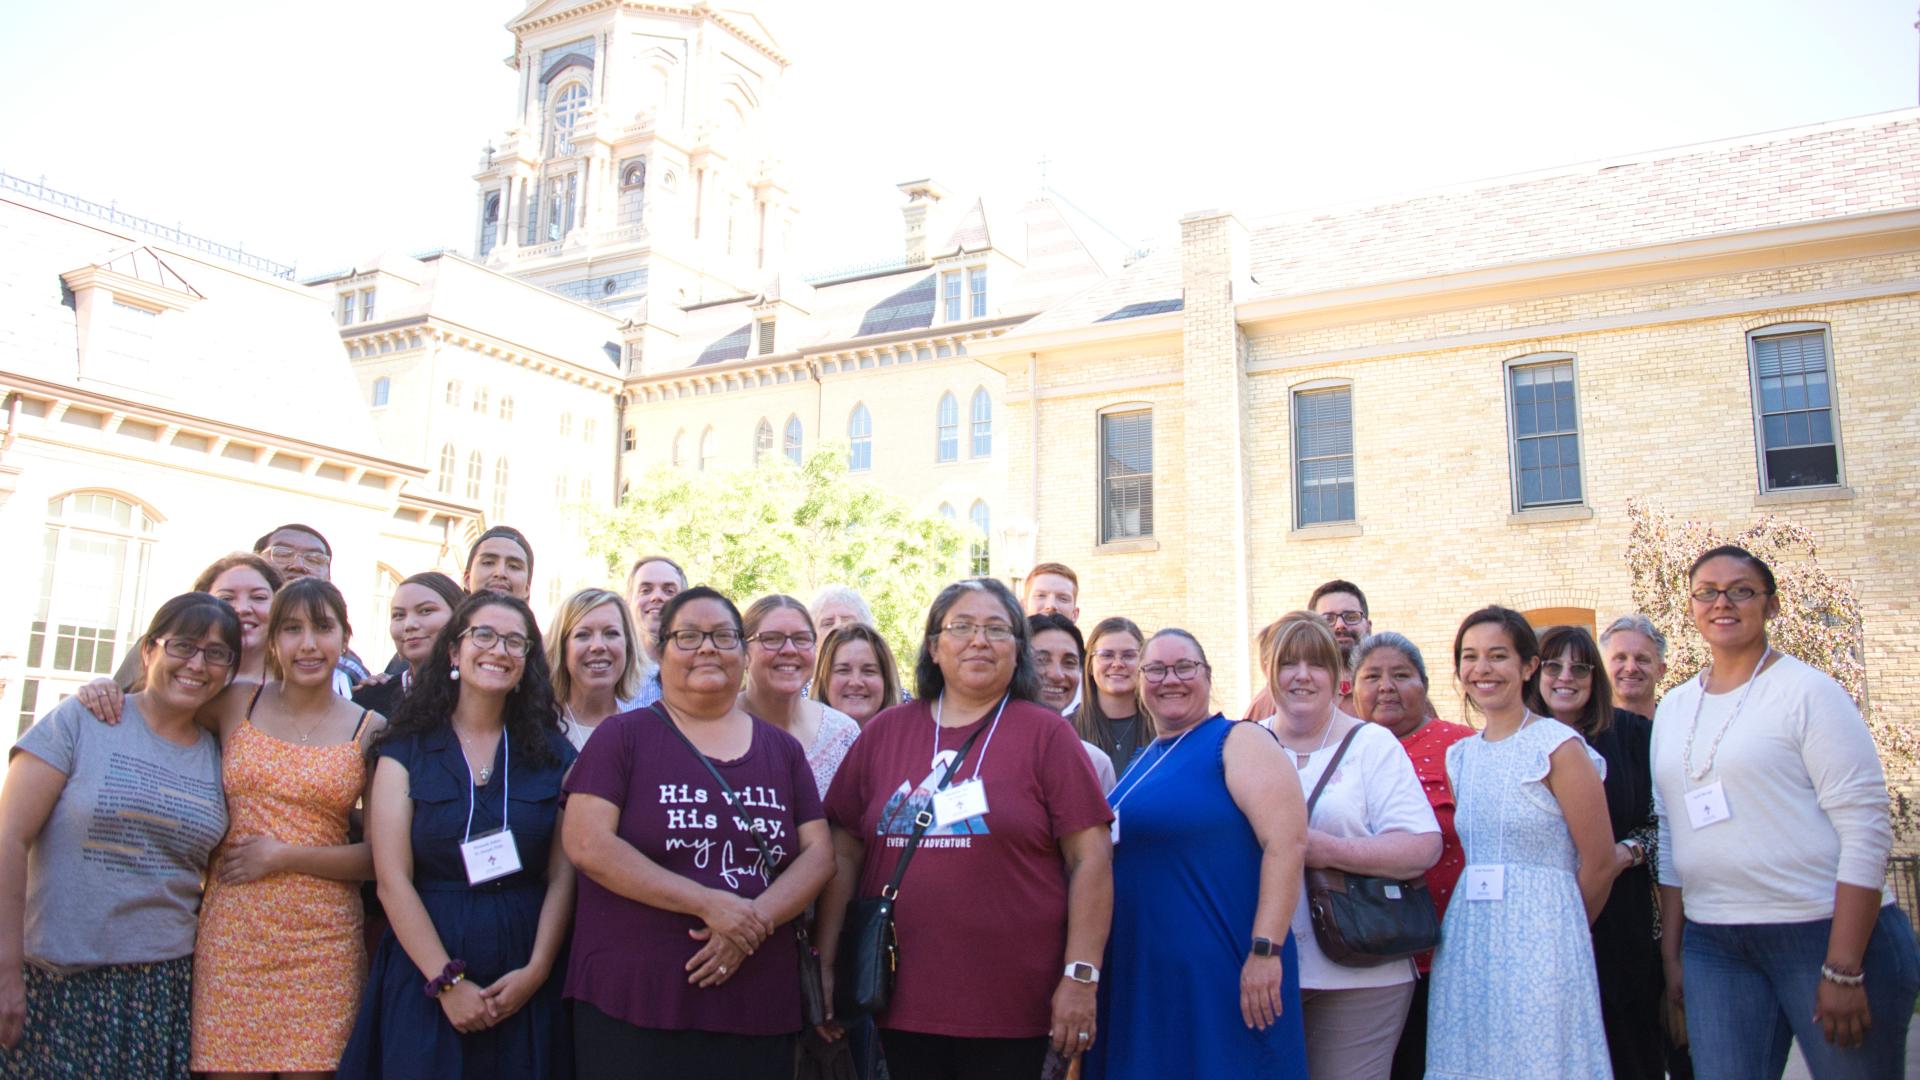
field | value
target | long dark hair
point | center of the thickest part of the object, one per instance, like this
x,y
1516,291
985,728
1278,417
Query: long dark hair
x,y
312,597
929,681
530,715
1519,631
1598,712
442,585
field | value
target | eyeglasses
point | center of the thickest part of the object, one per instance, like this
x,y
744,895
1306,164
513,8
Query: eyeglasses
x,y
216,655
1557,668
774,642
1108,656
1739,594
1351,618
689,640
486,637
960,628
282,555
1182,670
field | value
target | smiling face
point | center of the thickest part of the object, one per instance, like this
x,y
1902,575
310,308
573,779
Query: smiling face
x,y
1053,594
183,686
417,617
855,683
1344,617
786,668
1302,690
706,670
1059,668
1726,624
251,598
491,670
298,553
597,649
1176,703
1491,669
1388,690
307,644
1564,687
649,590
1116,663
500,565
972,664
1634,665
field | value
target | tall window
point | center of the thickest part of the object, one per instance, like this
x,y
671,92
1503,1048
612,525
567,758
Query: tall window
x,y
566,424
1323,456
506,406
860,439
1546,433
480,400
500,488
977,292
346,308
981,550
1793,395
530,214
947,511
448,462
453,392
679,448
706,448
1126,475
762,440
947,429
590,431
366,306
627,439
566,112
633,192
473,475
790,443
982,410
382,390
489,223
562,197
950,295
763,339
92,591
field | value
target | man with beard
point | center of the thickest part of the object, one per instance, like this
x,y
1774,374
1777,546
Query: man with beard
x,y
652,582
1344,607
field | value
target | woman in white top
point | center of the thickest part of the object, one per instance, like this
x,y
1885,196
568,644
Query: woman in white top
x,y
780,658
1371,818
1773,846
595,659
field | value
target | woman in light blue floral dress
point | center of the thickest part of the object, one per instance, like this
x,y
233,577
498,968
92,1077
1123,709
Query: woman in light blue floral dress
x,y
1514,991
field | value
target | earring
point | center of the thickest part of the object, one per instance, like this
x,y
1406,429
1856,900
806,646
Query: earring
x,y
454,675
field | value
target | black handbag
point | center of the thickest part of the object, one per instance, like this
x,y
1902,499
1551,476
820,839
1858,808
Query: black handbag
x,y
813,994
869,951
1362,921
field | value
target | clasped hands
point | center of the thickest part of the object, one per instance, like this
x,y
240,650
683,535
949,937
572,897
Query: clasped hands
x,y
734,928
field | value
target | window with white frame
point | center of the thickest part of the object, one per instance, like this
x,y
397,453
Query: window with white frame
x,y
628,439
566,425
763,337
762,440
982,417
977,292
1793,405
946,445
1126,475
706,448
480,400
1323,456
500,488
489,224
679,457
947,511
506,406
449,461
366,306
980,550
1545,421
473,475
950,298
860,439
453,392
568,102
633,192
791,442
96,548
590,431
382,391
347,301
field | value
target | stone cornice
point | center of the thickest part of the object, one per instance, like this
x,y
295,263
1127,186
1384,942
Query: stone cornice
x,y
128,289
803,364
690,11
466,337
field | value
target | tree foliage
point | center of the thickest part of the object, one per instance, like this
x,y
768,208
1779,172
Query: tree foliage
x,y
791,529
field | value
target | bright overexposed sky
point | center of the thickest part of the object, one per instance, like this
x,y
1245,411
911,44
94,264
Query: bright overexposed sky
x,y
323,134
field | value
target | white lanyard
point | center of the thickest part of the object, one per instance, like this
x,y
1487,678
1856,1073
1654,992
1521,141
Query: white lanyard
x,y
506,766
1713,752
982,759
1500,830
1156,764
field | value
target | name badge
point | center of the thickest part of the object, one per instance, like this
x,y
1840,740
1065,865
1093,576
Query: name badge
x,y
960,802
1113,827
1484,882
1707,805
489,856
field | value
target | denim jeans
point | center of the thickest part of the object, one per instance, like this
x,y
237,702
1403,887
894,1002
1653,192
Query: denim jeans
x,y
1750,992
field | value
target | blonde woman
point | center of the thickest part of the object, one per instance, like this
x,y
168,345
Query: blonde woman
x,y
595,657
856,673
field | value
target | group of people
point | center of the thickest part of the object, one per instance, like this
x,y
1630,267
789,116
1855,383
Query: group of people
x,y
629,845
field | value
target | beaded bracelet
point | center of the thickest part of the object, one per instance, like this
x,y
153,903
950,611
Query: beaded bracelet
x,y
452,974
1842,978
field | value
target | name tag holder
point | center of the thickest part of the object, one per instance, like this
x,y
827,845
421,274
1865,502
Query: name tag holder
x,y
493,854
1707,805
960,802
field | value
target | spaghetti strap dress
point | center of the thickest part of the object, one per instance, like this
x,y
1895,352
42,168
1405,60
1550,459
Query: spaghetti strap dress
x,y
1186,881
279,963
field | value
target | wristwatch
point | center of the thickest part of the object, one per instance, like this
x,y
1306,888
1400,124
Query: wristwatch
x,y
1082,972
1265,947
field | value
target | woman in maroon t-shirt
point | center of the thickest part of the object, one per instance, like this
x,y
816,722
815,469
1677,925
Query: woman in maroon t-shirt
x,y
684,957
1003,914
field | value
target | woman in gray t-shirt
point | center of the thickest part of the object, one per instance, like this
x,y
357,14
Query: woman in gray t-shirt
x,y
105,833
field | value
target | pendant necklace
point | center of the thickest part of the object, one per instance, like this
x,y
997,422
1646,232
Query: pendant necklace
x,y
485,772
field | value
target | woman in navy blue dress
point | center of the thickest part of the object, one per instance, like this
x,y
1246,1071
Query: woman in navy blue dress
x,y
464,981
1201,978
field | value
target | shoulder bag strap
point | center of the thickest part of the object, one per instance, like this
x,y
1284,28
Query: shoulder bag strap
x,y
733,799
1331,766
924,819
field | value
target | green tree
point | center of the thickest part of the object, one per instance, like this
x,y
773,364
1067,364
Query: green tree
x,y
783,528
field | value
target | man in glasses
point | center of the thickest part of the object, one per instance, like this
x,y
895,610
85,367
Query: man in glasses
x,y
1344,607
296,551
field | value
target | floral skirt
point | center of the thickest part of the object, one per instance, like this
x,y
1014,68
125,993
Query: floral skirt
x,y
124,1020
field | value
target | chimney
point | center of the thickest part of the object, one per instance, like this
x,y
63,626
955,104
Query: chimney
x,y
926,220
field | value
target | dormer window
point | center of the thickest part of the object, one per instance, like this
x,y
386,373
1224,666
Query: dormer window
x,y
763,337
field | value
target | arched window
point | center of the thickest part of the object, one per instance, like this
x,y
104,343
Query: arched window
x,y
568,101
382,390
947,435
947,511
489,223
453,392
473,475
480,403
566,424
627,439
500,488
791,445
506,406
679,448
860,438
448,462
762,440
706,448
386,582
982,424
981,548
633,192
92,593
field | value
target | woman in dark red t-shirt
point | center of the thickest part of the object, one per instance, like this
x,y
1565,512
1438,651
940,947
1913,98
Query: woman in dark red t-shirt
x,y
1003,915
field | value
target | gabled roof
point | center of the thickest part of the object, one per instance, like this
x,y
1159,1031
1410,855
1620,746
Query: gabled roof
x,y
142,263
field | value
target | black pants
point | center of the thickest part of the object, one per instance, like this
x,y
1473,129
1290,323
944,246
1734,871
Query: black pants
x,y
608,1049
1410,1057
914,1056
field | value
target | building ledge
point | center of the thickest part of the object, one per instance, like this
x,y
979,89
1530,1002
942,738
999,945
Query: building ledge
x,y
1127,547
1337,531
1791,496
1550,513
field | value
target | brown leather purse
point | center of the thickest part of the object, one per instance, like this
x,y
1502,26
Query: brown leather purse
x,y
1362,921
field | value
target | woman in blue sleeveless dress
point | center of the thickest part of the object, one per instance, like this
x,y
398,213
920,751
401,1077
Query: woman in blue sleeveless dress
x,y
476,740
1201,976
1514,992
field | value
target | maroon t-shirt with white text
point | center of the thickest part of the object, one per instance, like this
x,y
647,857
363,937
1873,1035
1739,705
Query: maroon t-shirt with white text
x,y
629,959
982,914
